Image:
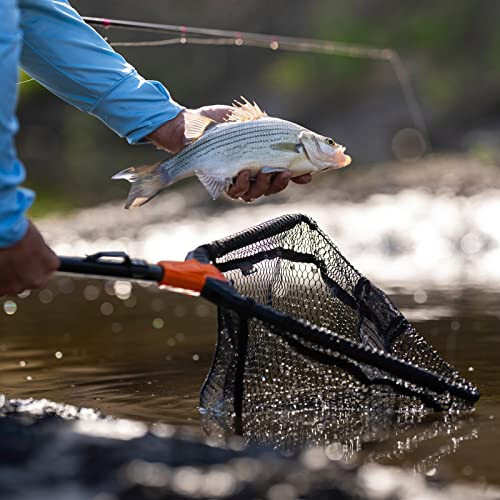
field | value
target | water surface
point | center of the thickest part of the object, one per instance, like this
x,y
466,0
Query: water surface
x,y
427,233
143,353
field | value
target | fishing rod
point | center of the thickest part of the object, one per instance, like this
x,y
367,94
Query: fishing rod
x,y
208,36
239,38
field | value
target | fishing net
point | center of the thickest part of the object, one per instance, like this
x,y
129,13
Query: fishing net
x,y
309,350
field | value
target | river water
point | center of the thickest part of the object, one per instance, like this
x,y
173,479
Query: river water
x,y
132,350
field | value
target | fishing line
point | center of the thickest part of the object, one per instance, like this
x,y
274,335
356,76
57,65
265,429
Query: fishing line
x,y
26,81
208,36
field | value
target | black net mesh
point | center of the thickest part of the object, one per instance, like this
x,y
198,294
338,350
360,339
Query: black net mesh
x,y
309,351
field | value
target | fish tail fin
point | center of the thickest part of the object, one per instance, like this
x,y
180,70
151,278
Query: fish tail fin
x,y
147,181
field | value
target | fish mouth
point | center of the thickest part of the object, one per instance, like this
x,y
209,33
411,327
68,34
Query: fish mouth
x,y
340,159
335,159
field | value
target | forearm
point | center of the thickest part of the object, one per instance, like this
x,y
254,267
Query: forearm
x,y
14,201
74,62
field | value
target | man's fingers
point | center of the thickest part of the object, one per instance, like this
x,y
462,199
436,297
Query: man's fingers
x,y
302,179
27,264
278,183
11,284
12,290
264,184
258,188
241,185
37,281
52,262
217,112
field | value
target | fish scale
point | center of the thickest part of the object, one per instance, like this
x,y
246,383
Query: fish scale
x,y
249,140
235,144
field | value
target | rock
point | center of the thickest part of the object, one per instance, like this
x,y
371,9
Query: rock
x,y
57,451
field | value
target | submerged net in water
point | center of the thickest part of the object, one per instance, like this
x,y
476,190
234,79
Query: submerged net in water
x,y
309,351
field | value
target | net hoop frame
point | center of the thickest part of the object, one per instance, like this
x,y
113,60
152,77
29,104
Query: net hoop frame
x,y
337,350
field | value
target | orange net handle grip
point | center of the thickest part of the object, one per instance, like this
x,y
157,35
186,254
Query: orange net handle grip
x,y
189,275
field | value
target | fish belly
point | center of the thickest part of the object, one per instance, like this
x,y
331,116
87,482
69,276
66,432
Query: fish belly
x,y
233,160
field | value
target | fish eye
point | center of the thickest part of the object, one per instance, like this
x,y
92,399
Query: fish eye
x,y
330,141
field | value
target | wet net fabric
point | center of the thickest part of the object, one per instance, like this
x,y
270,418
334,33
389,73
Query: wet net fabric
x,y
309,351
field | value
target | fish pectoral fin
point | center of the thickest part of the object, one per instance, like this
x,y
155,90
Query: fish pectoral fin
x,y
195,125
272,170
288,147
214,184
245,111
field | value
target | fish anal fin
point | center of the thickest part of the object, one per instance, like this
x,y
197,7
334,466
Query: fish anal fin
x,y
195,125
214,184
245,111
137,202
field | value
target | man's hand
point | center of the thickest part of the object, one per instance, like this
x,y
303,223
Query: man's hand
x,y
27,264
264,184
170,136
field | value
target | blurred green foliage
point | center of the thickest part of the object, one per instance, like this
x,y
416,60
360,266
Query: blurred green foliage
x,y
28,87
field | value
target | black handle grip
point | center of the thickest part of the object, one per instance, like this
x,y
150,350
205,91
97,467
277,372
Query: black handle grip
x,y
112,265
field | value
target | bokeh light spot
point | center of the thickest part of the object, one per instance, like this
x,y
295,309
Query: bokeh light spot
x,y
91,292
10,307
107,308
408,144
158,323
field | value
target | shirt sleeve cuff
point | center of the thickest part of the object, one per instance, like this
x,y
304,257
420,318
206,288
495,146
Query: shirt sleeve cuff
x,y
135,107
13,221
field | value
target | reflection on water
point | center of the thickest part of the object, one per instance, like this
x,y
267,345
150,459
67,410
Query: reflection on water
x,y
143,356
409,237
146,353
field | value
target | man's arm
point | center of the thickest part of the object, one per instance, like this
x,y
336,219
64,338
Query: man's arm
x,y
13,200
25,259
73,61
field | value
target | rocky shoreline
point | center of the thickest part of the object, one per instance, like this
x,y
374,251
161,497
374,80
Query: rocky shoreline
x,y
56,451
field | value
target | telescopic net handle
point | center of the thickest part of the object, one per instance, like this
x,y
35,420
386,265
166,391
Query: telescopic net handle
x,y
113,265
188,275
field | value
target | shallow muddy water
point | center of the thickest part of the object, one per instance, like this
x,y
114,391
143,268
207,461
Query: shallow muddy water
x,y
143,353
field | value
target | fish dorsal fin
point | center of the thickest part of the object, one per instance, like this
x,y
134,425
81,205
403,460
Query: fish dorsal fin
x,y
245,111
195,125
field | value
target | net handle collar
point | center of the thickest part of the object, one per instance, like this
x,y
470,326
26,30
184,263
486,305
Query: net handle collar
x,y
189,275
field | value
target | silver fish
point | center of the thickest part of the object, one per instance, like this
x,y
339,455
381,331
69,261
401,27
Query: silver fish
x,y
248,140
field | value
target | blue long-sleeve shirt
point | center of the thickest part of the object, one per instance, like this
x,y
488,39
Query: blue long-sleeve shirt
x,y
53,44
